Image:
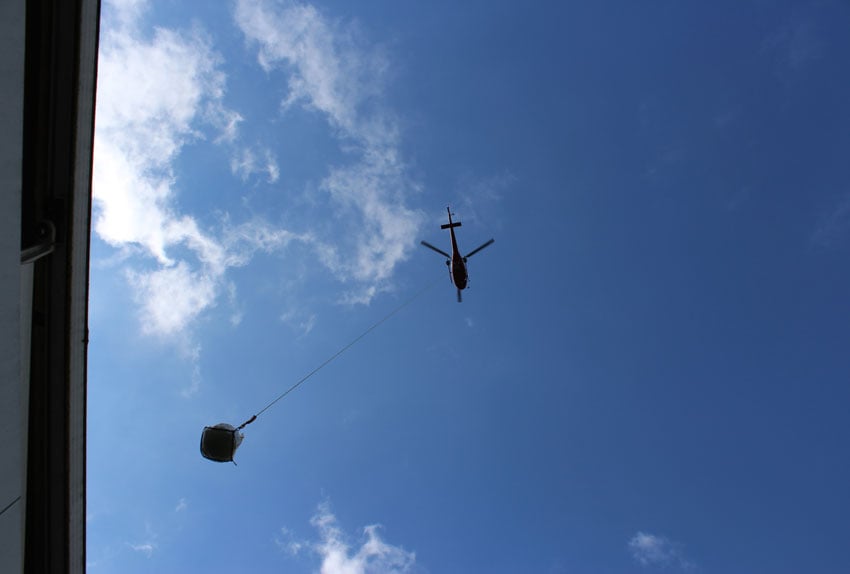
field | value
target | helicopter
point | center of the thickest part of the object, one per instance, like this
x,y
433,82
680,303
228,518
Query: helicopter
x,y
456,262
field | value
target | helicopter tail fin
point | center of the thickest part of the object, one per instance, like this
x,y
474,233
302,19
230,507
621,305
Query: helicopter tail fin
x,y
453,224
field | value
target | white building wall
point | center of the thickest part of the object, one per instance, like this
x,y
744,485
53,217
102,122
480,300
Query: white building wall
x,y
12,395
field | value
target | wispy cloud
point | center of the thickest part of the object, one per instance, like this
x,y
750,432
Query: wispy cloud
x,y
332,70
150,95
331,67
249,161
833,224
479,197
145,548
797,43
299,320
157,93
148,545
181,505
657,551
289,543
170,297
338,556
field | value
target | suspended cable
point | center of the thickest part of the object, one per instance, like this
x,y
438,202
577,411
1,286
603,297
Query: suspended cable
x,y
337,354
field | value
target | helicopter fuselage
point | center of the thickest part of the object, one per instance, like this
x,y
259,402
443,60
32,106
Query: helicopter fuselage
x,y
457,266
455,261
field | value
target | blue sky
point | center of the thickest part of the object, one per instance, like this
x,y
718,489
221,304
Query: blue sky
x,y
648,373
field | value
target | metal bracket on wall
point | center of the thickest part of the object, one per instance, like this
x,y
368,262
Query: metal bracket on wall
x,y
44,246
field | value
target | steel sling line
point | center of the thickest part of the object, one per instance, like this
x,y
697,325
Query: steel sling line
x,y
338,353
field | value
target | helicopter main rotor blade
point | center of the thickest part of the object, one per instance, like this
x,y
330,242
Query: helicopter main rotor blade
x,y
474,251
440,251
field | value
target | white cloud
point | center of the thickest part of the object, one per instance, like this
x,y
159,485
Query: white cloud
x,y
248,162
148,546
299,320
371,554
150,95
289,543
181,505
657,551
195,379
156,94
145,548
387,227
331,69
170,297
226,121
162,90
